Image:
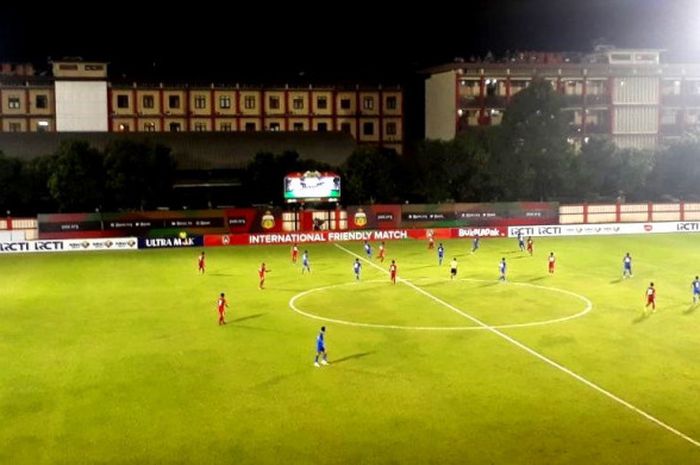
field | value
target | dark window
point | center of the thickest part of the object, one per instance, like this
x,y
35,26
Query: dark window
x,y
149,127
200,101
200,127
148,101
298,126
249,127
249,103
391,103
345,103
15,127
226,127
298,103
345,127
124,127
224,101
322,103
174,101
322,127
368,103
175,127
274,103
368,129
42,101
122,101
390,129
274,127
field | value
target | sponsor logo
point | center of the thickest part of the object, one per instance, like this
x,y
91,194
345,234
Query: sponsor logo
x,y
648,227
225,239
688,227
484,232
169,242
85,244
14,246
268,220
360,218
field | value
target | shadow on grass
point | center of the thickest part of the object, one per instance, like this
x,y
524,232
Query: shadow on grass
x,y
351,357
615,281
642,318
494,283
690,309
248,317
539,278
219,274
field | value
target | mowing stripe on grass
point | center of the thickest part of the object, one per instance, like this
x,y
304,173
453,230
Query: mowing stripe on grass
x,y
534,353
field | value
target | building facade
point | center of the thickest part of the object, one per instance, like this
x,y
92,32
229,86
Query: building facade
x,y
80,97
627,95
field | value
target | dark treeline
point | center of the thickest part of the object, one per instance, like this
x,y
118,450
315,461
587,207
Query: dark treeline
x,y
528,157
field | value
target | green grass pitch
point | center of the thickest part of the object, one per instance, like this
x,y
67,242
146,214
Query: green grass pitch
x,y
117,358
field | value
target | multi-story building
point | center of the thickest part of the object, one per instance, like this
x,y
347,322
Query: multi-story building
x,y
628,95
79,97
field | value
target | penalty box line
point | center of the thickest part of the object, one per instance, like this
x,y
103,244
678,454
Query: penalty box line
x,y
536,354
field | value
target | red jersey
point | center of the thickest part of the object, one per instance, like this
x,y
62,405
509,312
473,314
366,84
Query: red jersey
x,y
651,294
262,271
393,269
381,250
295,251
529,244
221,304
200,261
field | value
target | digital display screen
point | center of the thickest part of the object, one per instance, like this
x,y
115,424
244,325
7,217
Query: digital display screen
x,y
312,185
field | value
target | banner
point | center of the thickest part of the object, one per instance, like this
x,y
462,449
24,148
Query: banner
x,y
374,217
479,214
158,223
343,236
602,229
69,245
170,242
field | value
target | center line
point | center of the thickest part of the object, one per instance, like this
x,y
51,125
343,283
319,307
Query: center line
x,y
534,353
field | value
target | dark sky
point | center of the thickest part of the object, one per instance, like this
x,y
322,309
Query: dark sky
x,y
355,39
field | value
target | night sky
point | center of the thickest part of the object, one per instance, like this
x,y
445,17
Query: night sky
x,y
351,39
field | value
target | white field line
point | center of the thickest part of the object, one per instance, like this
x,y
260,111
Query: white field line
x,y
293,306
536,354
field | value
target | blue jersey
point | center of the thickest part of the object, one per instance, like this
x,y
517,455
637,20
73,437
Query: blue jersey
x,y
357,266
521,239
696,286
502,267
627,261
305,259
441,251
368,249
320,342
475,243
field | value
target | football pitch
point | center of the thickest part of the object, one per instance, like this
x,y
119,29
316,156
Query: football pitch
x,y
117,358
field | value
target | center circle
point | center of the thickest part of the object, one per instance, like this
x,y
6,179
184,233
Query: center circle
x,y
588,307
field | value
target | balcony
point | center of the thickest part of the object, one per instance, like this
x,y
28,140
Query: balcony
x,y
671,129
597,128
597,99
572,100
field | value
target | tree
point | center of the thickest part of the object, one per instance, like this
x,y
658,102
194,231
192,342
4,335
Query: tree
x,y
10,182
677,170
533,157
139,175
371,175
77,177
454,170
